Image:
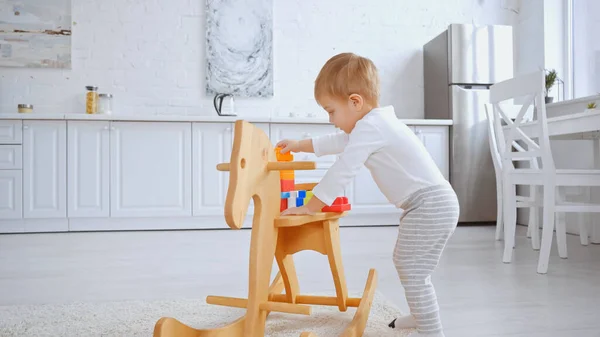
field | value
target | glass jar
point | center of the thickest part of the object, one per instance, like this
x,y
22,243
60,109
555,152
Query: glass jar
x,y
91,99
105,105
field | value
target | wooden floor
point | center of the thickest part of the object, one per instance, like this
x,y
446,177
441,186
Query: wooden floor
x,y
478,294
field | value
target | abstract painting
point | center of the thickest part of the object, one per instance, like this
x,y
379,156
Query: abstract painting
x,y
35,33
239,47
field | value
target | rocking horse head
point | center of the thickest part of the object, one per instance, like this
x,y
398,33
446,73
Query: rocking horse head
x,y
248,172
253,174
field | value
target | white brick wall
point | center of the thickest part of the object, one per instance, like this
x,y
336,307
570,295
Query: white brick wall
x,y
150,53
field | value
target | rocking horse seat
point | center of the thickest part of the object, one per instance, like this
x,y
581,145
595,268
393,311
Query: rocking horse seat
x,y
299,220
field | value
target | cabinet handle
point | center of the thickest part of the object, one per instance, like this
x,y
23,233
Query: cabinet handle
x,y
25,127
106,128
227,129
113,128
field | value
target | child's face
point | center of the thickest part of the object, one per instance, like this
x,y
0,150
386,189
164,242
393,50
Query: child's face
x,y
342,113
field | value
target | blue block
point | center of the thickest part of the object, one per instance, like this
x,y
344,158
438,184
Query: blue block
x,y
285,195
299,202
302,194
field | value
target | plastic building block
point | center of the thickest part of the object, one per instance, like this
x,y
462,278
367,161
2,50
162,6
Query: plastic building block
x,y
301,194
283,157
287,185
287,175
309,195
283,205
340,204
299,202
285,195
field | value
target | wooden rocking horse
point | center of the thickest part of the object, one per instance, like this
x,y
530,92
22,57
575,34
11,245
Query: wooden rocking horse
x,y
253,170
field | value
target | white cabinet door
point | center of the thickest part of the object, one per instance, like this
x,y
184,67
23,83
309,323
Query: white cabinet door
x,y
45,169
212,143
151,169
11,194
365,197
436,140
88,169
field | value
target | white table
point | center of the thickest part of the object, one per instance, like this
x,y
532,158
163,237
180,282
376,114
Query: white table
x,y
582,125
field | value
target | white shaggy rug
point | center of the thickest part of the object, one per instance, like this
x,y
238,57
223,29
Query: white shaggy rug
x,y
137,318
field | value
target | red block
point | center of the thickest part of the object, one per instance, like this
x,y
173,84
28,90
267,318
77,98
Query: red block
x,y
287,185
284,205
337,208
340,204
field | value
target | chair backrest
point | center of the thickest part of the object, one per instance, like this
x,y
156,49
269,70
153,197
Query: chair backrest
x,y
508,127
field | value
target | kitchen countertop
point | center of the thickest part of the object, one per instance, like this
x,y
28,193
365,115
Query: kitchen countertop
x,y
195,118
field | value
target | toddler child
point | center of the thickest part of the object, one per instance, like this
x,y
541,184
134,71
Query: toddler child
x,y
347,87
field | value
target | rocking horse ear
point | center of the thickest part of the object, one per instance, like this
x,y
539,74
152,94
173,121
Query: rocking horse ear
x,y
250,155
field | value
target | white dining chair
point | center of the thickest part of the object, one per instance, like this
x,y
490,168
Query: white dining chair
x,y
531,201
529,89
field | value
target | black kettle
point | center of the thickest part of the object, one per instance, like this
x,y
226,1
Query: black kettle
x,y
224,107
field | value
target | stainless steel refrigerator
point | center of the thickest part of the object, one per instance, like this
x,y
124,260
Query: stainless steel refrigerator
x,y
460,65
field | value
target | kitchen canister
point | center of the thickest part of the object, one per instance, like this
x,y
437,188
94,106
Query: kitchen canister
x,y
25,108
105,104
91,99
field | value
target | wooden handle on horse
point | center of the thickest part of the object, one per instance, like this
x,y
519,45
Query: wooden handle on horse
x,y
278,166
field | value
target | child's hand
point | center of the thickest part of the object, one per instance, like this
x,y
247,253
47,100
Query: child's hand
x,y
302,210
289,145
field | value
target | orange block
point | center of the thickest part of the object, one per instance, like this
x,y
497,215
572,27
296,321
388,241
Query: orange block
x,y
283,157
286,175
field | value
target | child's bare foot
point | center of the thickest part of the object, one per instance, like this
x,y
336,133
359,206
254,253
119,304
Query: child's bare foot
x,y
403,322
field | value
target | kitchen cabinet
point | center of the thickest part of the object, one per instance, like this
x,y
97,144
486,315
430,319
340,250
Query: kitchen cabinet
x,y
11,157
151,169
99,173
212,144
11,131
88,169
44,169
11,194
437,142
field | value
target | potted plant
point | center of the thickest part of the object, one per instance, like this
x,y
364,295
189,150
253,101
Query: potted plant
x,y
550,80
591,105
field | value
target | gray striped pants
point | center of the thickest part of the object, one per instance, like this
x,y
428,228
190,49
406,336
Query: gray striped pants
x,y
429,219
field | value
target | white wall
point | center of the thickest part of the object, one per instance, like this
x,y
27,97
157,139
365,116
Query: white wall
x,y
587,47
150,54
529,32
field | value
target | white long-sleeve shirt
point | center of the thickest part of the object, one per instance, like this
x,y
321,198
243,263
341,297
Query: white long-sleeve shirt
x,y
396,158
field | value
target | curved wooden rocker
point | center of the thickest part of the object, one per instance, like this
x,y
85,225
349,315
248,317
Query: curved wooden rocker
x,y
254,174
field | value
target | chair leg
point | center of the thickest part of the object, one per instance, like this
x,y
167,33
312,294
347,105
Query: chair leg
x,y
583,229
547,229
534,226
334,254
510,221
285,262
561,230
500,211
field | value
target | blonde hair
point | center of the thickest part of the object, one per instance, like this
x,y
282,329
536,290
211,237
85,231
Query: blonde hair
x,y
345,74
